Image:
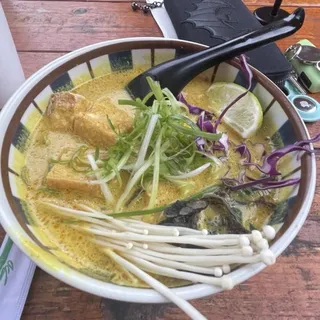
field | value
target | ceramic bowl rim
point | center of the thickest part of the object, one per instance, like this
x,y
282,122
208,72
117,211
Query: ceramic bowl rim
x,y
109,290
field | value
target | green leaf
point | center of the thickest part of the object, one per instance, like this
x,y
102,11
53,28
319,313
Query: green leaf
x,y
10,264
134,103
196,133
4,272
4,275
137,213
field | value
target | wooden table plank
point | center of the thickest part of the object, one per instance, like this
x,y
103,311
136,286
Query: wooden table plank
x,y
71,25
59,301
33,61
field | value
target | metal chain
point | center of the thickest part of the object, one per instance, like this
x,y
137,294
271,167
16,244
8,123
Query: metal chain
x,y
146,7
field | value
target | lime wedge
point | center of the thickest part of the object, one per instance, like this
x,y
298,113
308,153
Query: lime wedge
x,y
245,117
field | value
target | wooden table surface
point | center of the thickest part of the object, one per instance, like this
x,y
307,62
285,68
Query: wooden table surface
x,y
290,289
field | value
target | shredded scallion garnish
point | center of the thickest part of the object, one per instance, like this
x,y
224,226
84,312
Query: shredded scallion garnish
x,y
161,146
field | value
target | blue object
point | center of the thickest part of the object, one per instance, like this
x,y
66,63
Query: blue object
x,y
307,107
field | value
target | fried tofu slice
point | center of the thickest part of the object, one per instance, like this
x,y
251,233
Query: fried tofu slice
x,y
62,107
63,177
94,124
74,113
95,128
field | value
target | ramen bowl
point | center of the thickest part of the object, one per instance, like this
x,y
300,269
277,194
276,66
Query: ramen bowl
x,y
27,105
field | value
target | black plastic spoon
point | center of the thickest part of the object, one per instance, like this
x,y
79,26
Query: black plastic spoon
x,y
177,73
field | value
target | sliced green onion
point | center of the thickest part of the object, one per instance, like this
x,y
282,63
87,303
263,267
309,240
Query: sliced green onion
x,y
118,175
180,152
76,159
155,88
134,180
112,127
147,97
156,173
174,102
138,212
190,174
135,103
196,133
146,141
155,106
104,187
183,185
119,166
215,159
174,151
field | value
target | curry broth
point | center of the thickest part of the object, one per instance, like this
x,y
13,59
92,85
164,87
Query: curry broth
x,y
46,144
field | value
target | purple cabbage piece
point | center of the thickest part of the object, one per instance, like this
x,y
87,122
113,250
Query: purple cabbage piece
x,y
264,183
270,162
217,147
206,125
224,142
200,121
303,143
246,70
244,152
250,184
278,184
269,167
200,143
194,109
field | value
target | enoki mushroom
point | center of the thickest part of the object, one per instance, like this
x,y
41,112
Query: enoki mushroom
x,y
140,247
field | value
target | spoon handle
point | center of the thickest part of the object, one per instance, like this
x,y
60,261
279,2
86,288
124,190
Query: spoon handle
x,y
176,74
